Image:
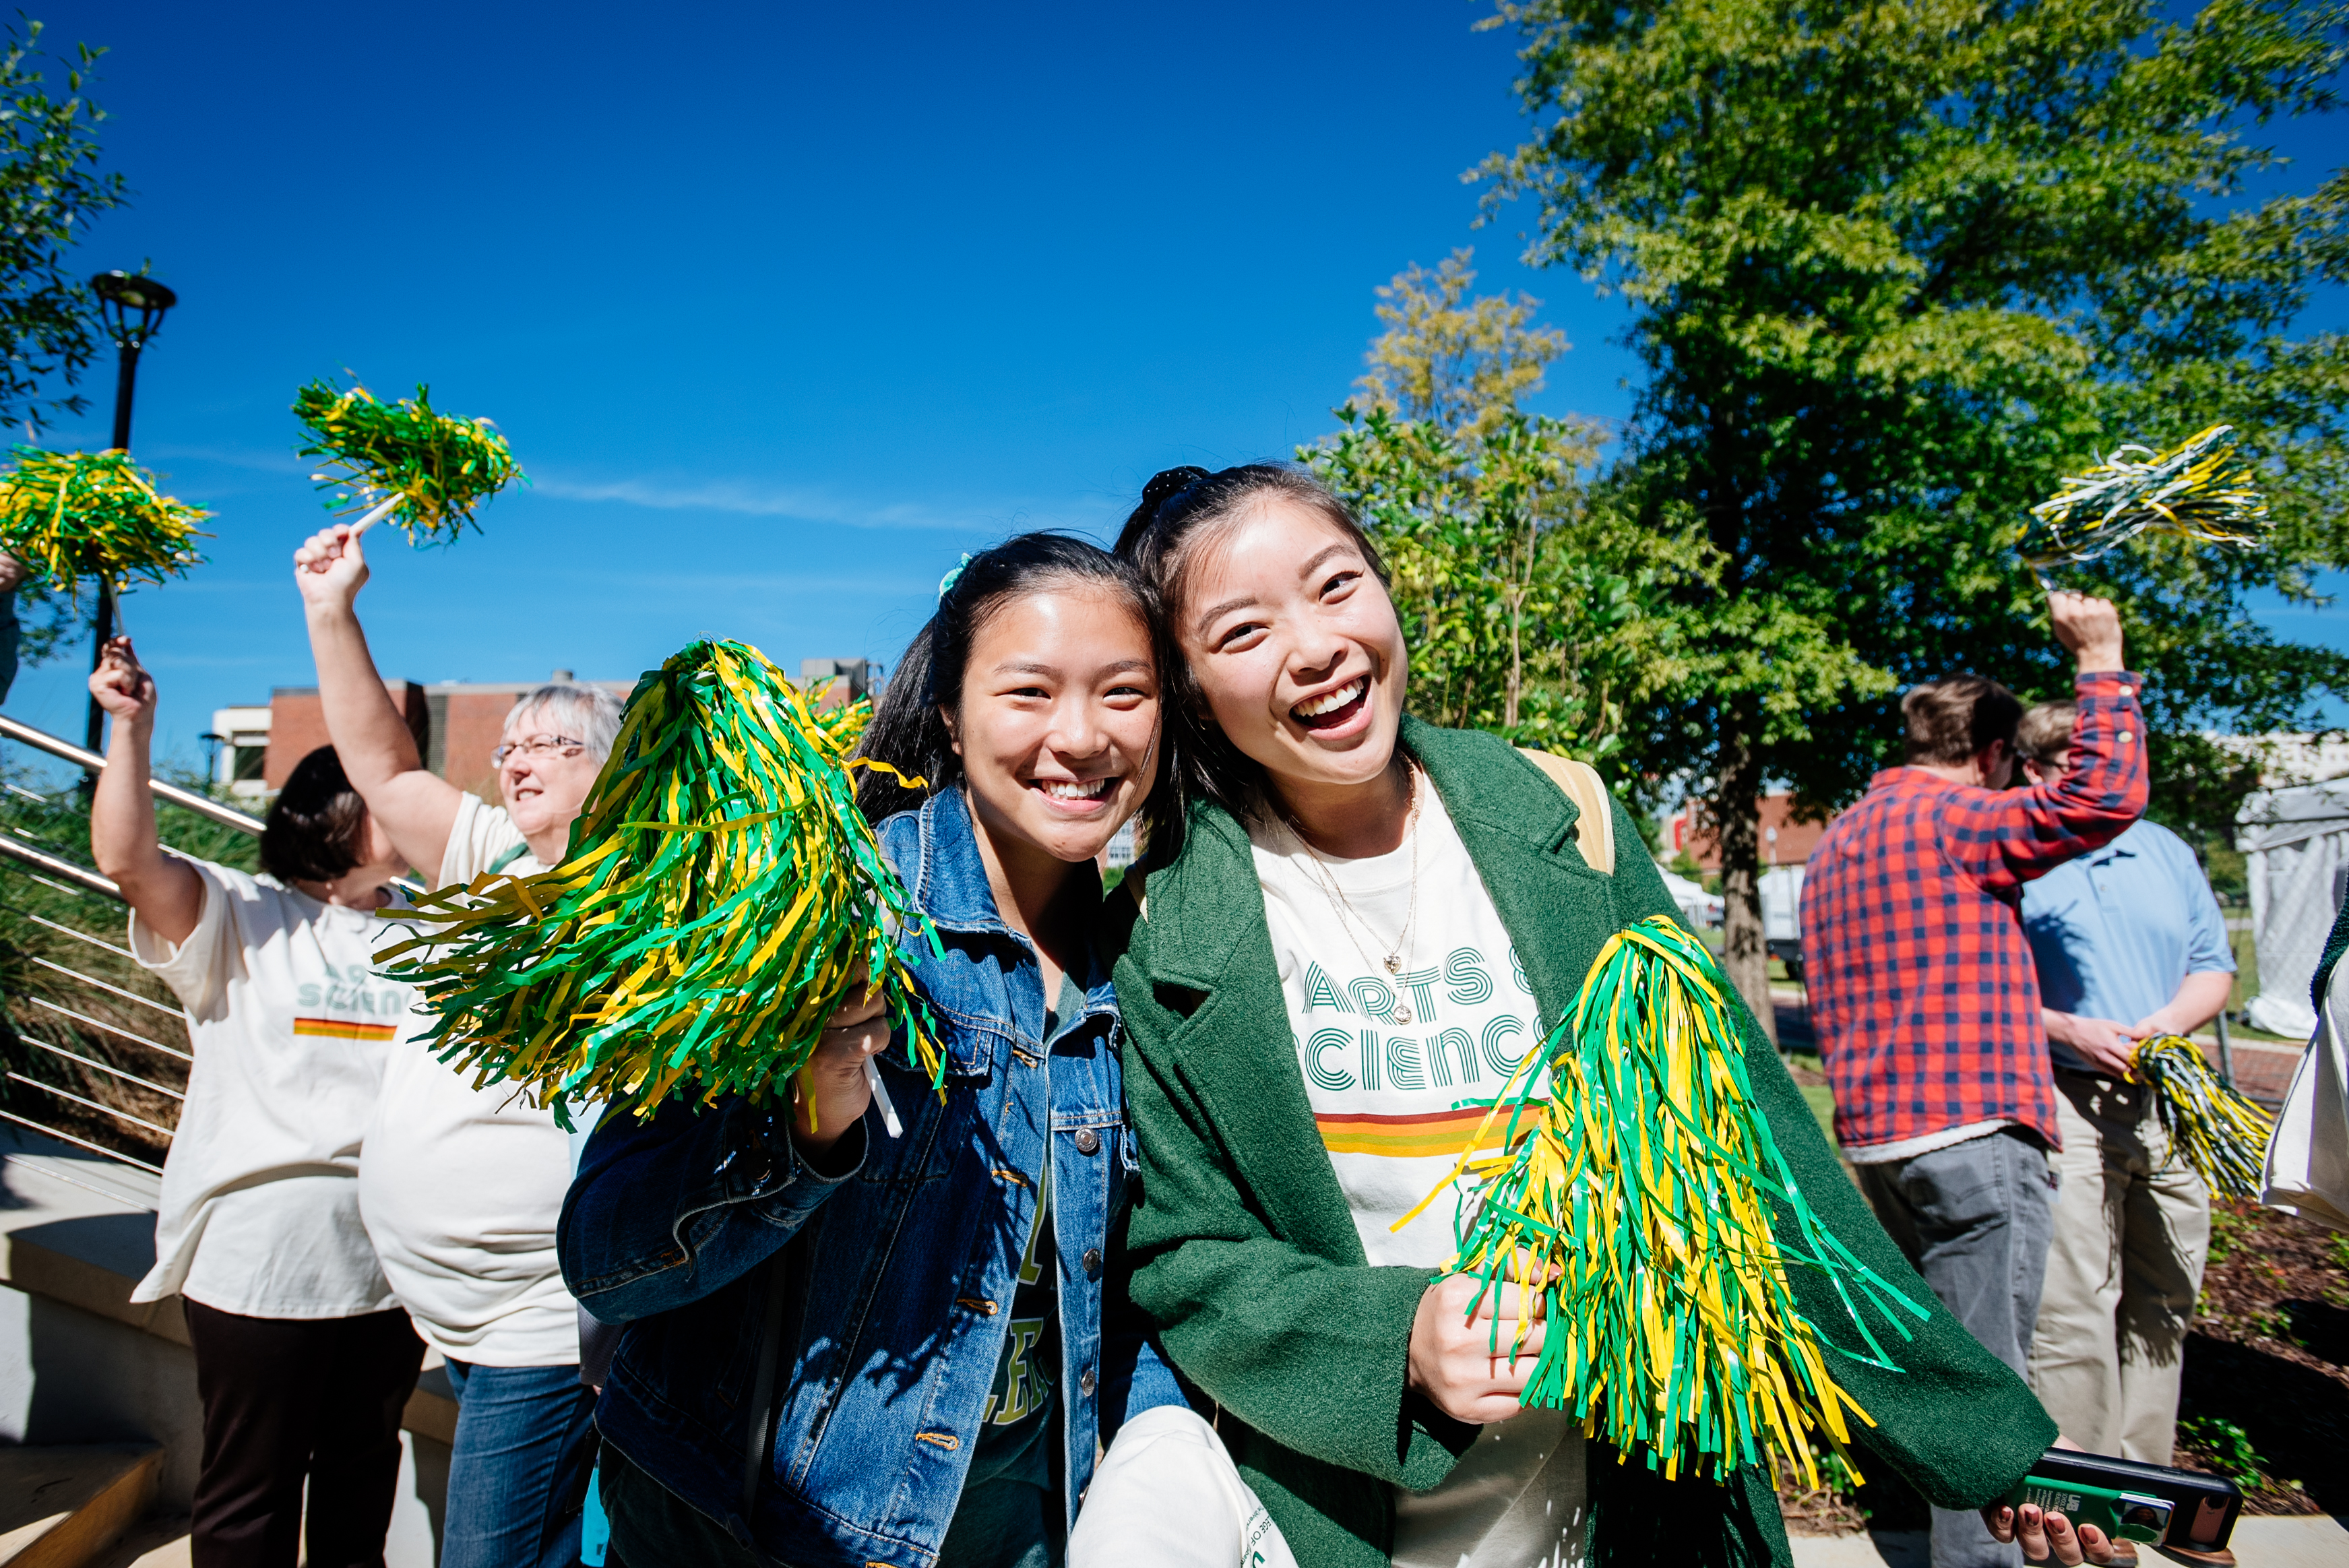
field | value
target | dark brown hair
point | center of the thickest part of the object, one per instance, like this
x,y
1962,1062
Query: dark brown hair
x,y
316,825
1953,719
1182,510
909,730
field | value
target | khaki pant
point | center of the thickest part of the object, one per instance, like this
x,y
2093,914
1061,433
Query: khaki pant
x,y
2132,1229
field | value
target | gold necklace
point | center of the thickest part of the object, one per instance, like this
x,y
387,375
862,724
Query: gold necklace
x,y
1325,877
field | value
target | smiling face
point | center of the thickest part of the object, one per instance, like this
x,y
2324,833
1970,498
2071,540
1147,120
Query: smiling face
x,y
544,787
1057,727
1296,646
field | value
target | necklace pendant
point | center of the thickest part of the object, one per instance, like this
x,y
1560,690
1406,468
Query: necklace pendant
x,y
1394,961
1402,1012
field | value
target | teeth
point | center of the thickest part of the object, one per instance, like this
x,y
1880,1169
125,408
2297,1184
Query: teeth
x,y
1066,790
1333,702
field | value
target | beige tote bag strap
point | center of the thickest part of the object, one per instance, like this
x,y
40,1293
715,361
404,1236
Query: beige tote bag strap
x,y
1594,830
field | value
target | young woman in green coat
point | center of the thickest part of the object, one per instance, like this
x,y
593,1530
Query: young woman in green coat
x,y
1367,924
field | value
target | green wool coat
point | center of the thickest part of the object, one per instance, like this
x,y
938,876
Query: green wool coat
x,y
1248,1258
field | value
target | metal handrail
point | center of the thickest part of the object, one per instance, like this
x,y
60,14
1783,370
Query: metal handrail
x,y
110,1029
82,877
94,1062
46,1131
111,985
77,1100
90,761
79,935
70,876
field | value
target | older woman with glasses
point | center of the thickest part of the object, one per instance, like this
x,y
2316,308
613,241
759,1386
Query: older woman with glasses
x,y
461,1188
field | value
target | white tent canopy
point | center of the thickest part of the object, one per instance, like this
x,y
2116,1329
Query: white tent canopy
x,y
1697,907
2295,845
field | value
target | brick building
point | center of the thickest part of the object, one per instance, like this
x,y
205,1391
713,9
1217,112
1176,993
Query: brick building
x,y
457,724
1785,842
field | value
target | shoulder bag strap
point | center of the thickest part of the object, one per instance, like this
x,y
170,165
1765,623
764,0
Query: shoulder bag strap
x,y
757,1450
1594,829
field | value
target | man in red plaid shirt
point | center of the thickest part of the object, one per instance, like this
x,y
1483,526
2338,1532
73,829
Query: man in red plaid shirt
x,y
1924,994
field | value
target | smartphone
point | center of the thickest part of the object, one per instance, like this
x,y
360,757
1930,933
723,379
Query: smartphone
x,y
2126,1497
2121,1515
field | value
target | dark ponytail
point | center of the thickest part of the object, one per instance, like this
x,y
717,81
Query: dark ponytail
x,y
909,730
316,825
1180,511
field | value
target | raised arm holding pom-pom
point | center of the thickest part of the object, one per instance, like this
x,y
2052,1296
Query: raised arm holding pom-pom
x,y
378,749
163,889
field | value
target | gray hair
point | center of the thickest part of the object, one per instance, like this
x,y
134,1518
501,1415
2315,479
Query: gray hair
x,y
2046,730
588,714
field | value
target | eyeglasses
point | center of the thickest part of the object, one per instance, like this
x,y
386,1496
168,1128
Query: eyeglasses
x,y
538,746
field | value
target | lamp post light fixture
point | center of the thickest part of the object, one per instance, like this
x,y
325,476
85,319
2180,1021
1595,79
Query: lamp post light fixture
x,y
132,306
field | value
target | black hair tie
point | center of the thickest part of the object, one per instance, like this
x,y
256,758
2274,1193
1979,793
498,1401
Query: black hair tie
x,y
1168,483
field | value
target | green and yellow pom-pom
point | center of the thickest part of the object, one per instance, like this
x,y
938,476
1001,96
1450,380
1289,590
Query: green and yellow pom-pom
x,y
1634,1191
721,893
2189,491
440,468
2223,1136
71,515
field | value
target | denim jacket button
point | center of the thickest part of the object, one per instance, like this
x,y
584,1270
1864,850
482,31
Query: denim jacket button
x,y
1092,1263
1086,1382
1087,1141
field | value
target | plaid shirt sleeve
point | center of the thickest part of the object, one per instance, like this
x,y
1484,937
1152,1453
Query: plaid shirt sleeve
x,y
2006,838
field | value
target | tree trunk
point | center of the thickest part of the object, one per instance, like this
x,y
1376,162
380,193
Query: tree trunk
x,y
1517,664
1736,818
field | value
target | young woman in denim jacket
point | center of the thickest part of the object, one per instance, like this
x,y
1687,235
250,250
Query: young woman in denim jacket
x,y
848,1346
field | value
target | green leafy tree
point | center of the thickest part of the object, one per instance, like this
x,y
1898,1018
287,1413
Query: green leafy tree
x,y
51,189
1892,269
1528,599
1461,362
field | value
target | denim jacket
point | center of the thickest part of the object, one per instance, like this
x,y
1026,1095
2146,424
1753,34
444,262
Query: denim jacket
x,y
897,1277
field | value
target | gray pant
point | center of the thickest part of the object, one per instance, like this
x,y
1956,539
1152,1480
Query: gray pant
x,y
1975,1218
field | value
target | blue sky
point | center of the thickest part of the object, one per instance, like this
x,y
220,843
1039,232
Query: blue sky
x,y
783,306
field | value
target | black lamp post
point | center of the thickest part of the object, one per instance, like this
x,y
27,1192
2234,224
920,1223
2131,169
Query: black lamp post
x,y
132,308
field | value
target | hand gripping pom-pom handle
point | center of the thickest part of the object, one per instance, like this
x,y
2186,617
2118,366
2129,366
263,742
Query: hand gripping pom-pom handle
x,y
2217,1132
720,894
374,514
1625,1175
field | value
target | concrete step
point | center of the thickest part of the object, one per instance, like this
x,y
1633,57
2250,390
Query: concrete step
x,y
159,1540
64,1507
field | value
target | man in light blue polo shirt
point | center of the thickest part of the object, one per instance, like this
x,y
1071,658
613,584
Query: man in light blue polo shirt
x,y
2130,944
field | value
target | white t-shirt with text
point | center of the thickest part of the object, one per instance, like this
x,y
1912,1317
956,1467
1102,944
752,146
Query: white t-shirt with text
x,y
1392,1063
291,1028
462,1187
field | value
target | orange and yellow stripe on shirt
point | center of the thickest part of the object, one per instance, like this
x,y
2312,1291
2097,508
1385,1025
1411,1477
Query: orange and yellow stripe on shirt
x,y
344,1029
1433,1132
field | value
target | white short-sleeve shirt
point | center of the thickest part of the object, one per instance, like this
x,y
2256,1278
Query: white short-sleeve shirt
x,y
1395,1059
462,1187
291,1026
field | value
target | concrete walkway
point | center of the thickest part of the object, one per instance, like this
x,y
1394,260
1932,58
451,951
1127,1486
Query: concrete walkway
x,y
2258,1542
